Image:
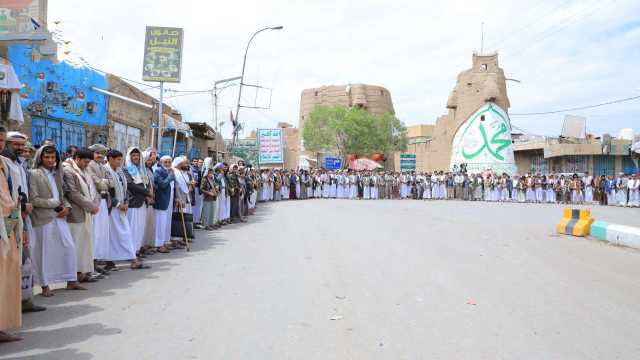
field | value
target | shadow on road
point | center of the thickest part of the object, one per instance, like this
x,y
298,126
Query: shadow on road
x,y
66,354
67,305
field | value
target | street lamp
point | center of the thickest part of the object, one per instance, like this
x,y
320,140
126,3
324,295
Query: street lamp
x,y
244,62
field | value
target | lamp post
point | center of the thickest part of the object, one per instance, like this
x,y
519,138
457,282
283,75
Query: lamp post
x,y
244,63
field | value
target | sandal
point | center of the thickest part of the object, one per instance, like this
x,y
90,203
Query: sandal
x,y
163,250
47,292
5,337
139,266
75,286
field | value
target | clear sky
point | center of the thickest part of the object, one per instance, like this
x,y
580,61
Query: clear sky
x,y
565,53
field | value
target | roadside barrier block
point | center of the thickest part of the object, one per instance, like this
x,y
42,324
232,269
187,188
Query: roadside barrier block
x,y
576,222
624,235
599,230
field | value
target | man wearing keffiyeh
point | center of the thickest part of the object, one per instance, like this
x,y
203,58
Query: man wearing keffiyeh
x,y
138,188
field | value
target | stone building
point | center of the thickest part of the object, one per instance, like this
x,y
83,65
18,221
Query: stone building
x,y
599,156
418,139
374,99
476,129
130,115
206,142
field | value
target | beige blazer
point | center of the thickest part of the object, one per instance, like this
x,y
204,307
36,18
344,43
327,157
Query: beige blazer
x,y
81,203
41,197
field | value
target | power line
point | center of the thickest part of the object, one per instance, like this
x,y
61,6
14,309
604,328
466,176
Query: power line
x,y
578,108
576,17
529,25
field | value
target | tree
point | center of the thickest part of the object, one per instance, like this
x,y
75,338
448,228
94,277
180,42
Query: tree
x,y
352,131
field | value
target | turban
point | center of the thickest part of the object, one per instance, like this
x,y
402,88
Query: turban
x,y
99,148
15,135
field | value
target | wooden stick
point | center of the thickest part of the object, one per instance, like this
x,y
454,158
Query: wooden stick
x,y
184,226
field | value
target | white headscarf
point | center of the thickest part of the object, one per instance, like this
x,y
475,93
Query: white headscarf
x,y
137,172
166,157
181,179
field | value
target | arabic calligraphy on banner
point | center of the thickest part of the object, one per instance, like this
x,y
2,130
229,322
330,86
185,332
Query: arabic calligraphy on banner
x,y
270,147
483,142
162,54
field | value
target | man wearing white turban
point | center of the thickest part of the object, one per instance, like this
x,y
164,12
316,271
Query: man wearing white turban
x,y
164,182
98,173
183,201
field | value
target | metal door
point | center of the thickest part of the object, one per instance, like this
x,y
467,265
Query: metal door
x,y
604,165
628,166
73,135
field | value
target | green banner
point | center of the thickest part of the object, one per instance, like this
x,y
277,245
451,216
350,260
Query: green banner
x,y
407,162
162,54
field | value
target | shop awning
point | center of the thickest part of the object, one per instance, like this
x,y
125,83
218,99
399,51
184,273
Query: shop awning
x,y
121,97
173,124
10,84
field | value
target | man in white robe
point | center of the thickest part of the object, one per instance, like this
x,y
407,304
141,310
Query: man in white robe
x,y
121,240
98,174
148,243
10,245
222,181
183,201
164,182
588,188
83,198
15,162
634,191
54,252
138,190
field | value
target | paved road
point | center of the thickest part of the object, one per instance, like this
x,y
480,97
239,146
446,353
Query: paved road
x,y
397,275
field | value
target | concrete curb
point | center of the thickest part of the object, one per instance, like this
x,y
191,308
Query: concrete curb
x,y
616,234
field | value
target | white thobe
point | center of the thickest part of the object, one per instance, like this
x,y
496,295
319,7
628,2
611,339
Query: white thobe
x,y
101,232
53,251
163,221
137,218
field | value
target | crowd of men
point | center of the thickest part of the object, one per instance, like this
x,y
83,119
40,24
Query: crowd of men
x,y
532,188
75,217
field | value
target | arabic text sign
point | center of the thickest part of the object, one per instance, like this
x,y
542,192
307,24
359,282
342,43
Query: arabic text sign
x,y
407,162
484,142
332,163
270,147
162,54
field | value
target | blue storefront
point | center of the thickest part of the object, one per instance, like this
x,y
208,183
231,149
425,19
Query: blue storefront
x,y
60,99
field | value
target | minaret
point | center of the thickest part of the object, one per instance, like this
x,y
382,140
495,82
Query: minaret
x,y
476,130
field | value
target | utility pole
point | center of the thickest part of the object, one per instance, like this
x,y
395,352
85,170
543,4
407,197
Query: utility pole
x,y
160,117
482,38
215,95
244,63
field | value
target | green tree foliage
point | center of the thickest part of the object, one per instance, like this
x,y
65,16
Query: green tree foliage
x,y
352,131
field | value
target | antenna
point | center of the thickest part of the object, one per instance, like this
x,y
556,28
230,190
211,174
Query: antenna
x,y
481,38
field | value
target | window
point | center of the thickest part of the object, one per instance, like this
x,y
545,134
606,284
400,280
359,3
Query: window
x,y
125,137
575,164
539,165
63,134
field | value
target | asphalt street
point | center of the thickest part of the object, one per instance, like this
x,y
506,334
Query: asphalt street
x,y
339,279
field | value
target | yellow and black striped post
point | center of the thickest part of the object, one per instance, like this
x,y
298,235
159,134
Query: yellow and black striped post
x,y
575,222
